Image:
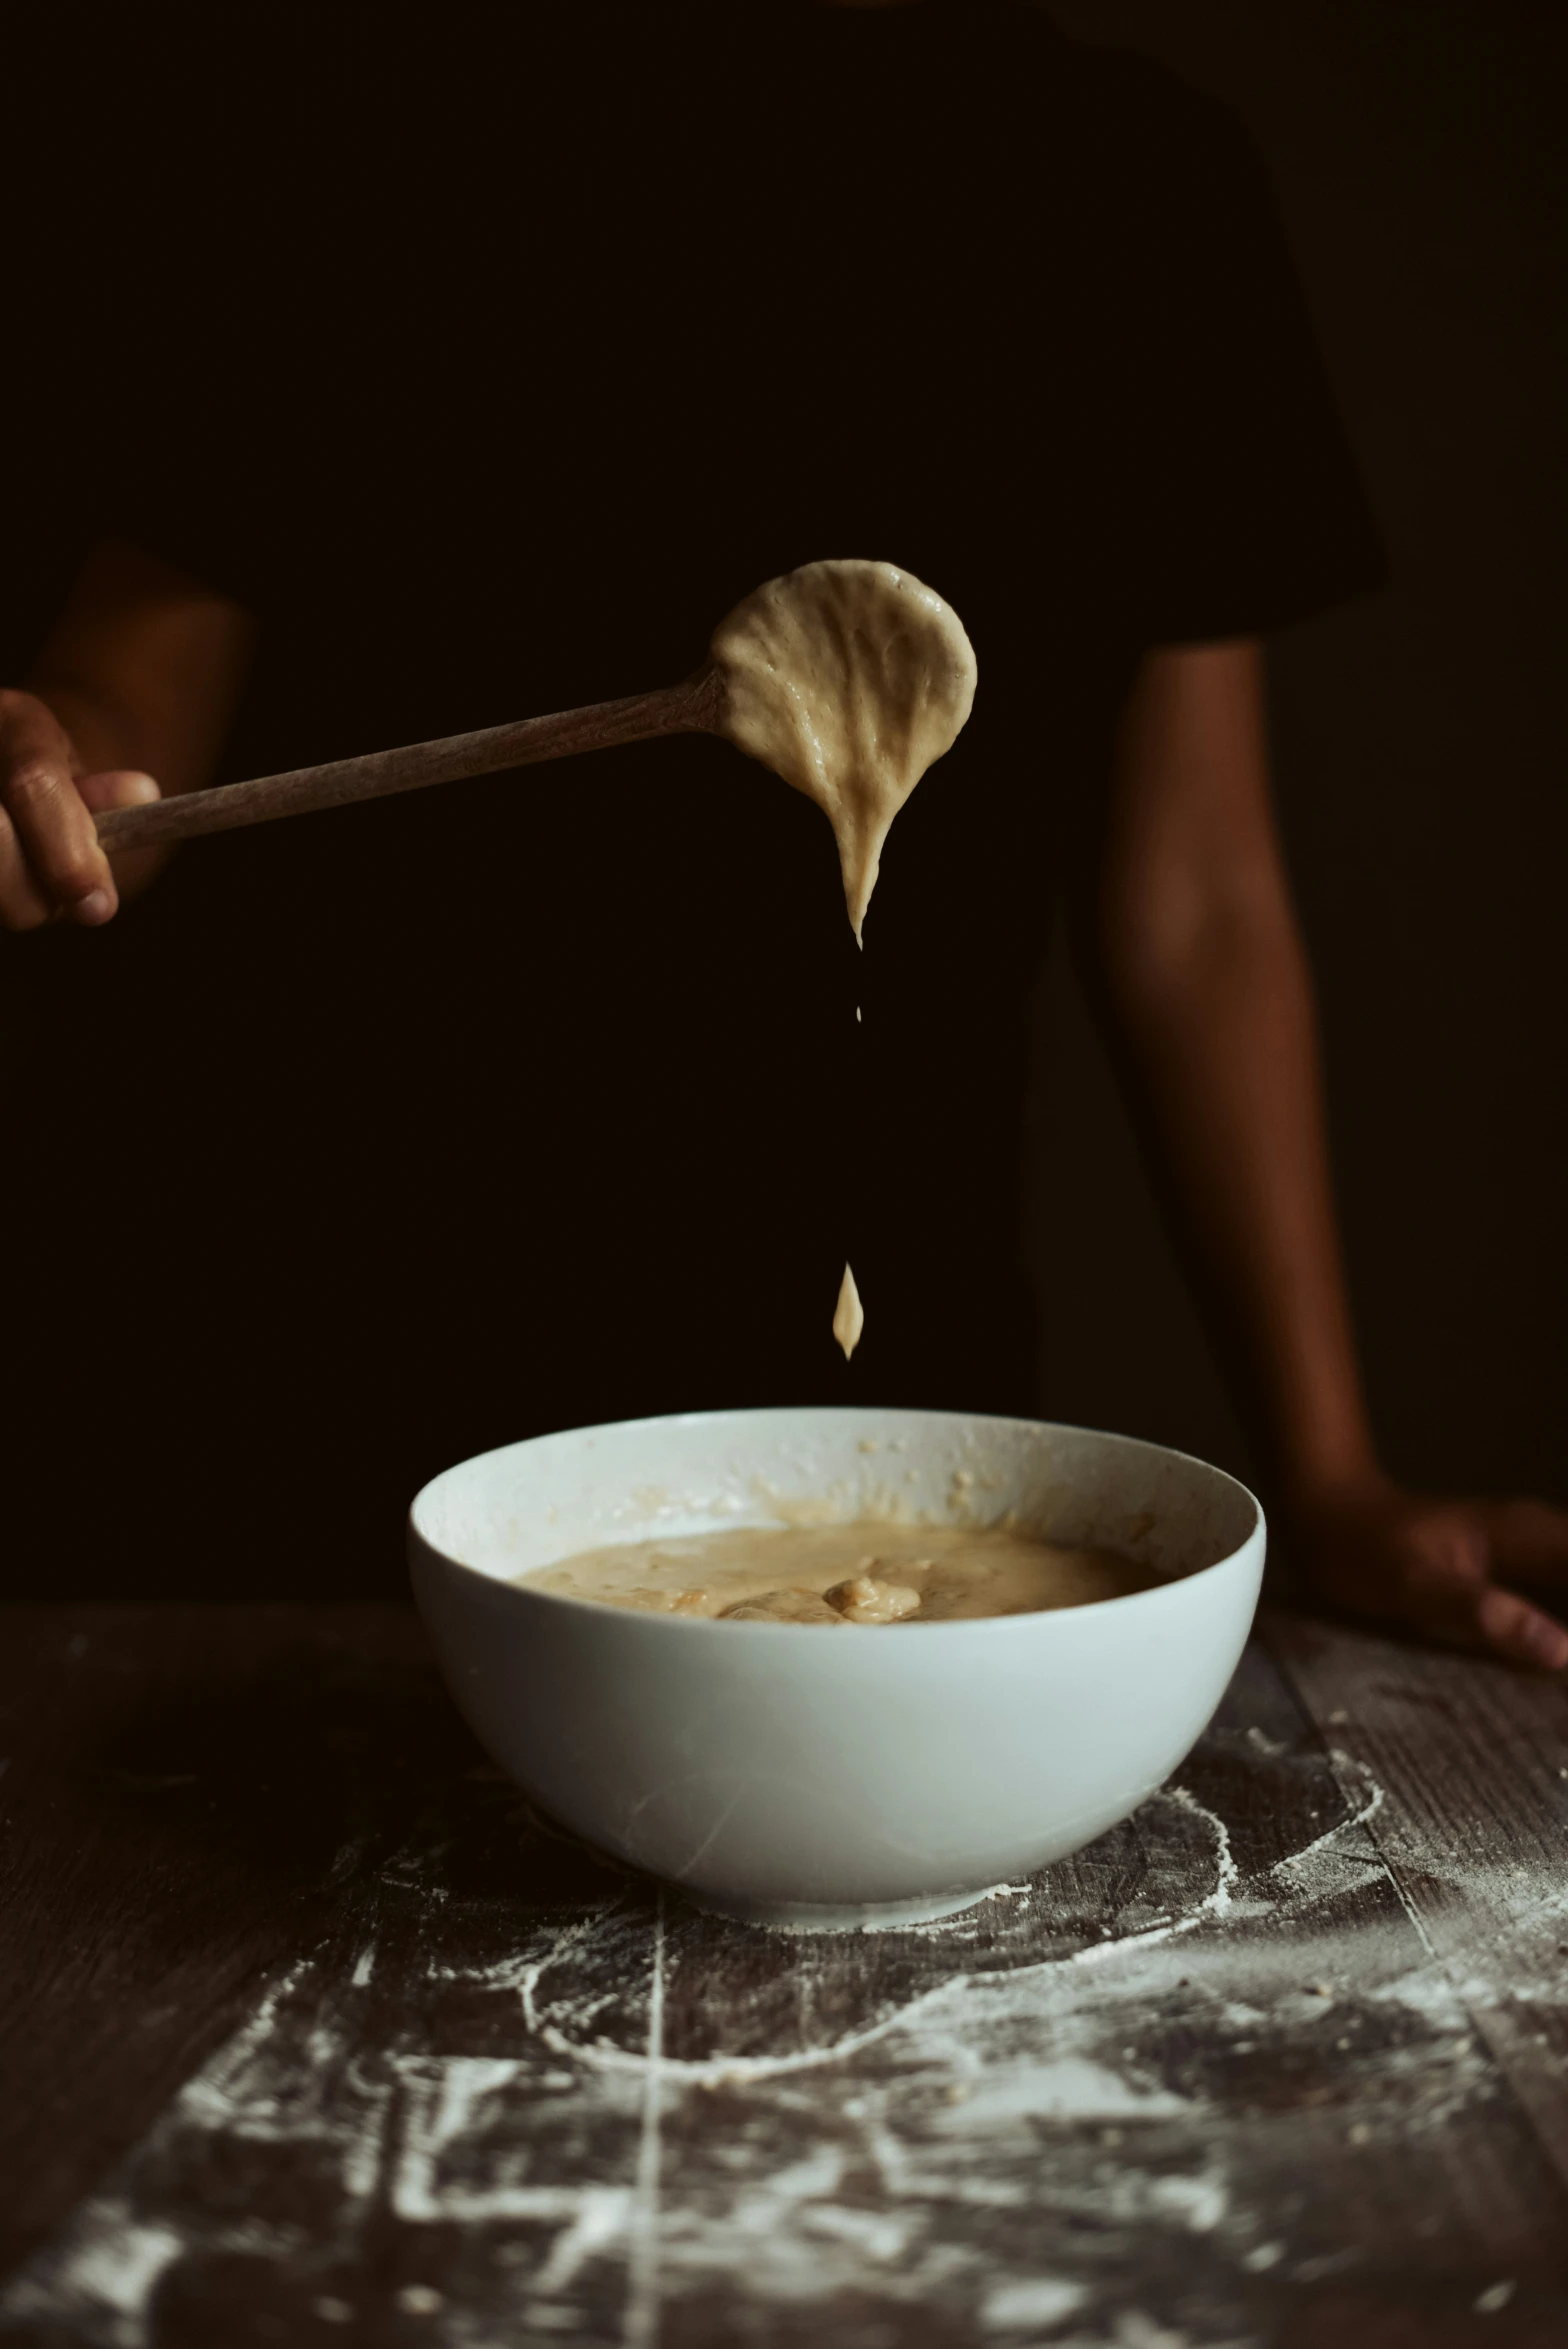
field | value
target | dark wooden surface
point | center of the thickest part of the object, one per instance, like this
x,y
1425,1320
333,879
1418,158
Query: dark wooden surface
x,y
310,2032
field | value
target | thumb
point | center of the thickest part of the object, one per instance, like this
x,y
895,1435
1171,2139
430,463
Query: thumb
x,y
117,787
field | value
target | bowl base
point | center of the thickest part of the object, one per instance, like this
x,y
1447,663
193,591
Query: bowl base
x,y
872,1916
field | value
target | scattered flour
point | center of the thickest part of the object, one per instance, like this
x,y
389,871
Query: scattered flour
x,y
1045,2095
1043,2300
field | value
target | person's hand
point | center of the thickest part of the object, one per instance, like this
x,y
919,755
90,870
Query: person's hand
x,y
1439,1567
50,861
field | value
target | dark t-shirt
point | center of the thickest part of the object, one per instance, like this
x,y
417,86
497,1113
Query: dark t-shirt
x,y
489,382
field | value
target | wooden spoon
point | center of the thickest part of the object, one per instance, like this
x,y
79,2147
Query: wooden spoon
x,y
696,706
846,678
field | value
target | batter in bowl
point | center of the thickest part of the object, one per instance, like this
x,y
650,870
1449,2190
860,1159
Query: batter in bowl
x,y
865,1572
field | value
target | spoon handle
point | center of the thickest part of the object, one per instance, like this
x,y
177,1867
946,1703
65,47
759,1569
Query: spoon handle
x,y
695,706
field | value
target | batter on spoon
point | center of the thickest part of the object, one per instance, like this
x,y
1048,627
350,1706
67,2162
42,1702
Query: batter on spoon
x,y
849,679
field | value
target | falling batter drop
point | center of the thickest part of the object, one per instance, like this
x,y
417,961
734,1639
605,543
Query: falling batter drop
x,y
848,1314
849,679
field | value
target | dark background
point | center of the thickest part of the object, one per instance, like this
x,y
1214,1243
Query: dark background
x,y
1420,749
1422,753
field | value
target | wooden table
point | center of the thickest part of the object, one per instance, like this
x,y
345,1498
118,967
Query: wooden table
x,y
310,2032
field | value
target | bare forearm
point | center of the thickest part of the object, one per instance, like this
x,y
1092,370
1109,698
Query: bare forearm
x,y
1198,963
1221,1045
1200,968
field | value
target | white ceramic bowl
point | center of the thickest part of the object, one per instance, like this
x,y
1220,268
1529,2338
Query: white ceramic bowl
x,y
821,1778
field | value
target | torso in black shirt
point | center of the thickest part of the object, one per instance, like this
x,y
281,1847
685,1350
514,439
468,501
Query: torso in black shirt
x,y
541,1099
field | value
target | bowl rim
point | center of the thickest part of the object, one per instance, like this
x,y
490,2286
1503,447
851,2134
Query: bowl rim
x,y
420,1539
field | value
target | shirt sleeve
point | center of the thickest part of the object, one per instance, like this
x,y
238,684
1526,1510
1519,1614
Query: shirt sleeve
x,y
1247,509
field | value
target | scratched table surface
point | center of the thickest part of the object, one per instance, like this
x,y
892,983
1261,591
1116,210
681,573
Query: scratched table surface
x,y
310,2031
